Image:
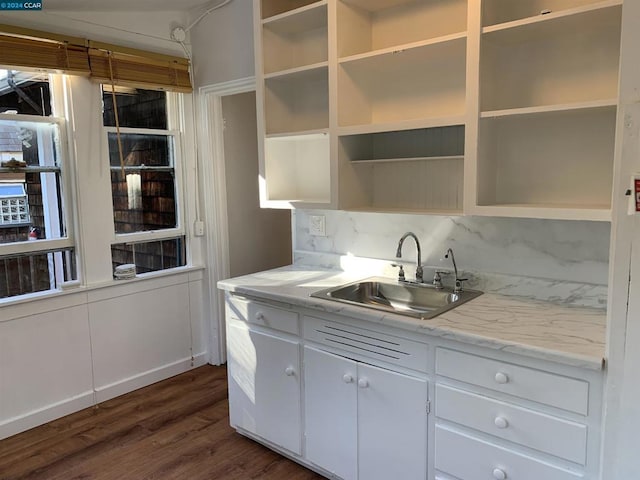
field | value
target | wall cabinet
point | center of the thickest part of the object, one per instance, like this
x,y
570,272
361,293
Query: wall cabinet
x,y
356,424
532,87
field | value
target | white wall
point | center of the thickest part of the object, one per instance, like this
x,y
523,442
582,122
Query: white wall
x,y
222,44
259,239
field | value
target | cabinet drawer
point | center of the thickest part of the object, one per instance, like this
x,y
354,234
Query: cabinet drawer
x,y
555,390
469,458
398,351
541,432
258,313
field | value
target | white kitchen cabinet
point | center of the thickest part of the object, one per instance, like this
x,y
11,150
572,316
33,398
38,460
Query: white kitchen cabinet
x,y
532,86
357,425
264,385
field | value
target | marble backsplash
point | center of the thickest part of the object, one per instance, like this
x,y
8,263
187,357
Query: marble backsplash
x,y
561,261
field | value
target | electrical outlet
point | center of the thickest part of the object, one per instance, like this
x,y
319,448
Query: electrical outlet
x,y
198,229
317,225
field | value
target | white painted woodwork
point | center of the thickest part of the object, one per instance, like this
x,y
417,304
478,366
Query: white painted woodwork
x,y
297,101
392,427
375,345
399,63
331,412
543,387
296,168
504,11
134,334
523,426
283,8
295,40
262,314
469,458
264,385
45,363
555,160
365,26
353,427
401,85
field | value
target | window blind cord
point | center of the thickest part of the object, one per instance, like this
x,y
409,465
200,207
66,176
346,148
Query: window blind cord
x,y
117,118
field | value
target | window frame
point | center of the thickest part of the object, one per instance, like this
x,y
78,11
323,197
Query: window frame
x,y
58,92
174,112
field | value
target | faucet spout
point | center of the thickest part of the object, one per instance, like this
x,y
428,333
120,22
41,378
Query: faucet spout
x,y
458,281
419,272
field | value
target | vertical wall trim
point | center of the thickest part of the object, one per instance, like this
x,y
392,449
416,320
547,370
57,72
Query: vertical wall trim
x,y
214,190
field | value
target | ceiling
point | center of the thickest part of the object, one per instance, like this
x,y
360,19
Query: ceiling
x,y
122,5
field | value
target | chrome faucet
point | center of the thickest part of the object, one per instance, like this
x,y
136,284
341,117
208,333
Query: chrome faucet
x,y
399,254
458,284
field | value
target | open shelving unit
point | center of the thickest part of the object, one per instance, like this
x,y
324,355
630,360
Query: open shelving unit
x,y
548,106
491,107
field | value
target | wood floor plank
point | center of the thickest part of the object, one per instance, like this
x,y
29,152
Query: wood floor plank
x,y
175,429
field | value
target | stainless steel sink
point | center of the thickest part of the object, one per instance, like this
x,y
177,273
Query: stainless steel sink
x,y
422,301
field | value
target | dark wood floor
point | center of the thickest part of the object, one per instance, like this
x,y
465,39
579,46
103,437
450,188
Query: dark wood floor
x,y
175,429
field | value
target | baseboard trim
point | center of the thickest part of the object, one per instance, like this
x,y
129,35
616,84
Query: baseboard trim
x,y
48,413
45,414
107,392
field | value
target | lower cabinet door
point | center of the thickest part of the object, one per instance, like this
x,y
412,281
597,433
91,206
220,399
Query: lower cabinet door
x,y
392,425
264,385
330,387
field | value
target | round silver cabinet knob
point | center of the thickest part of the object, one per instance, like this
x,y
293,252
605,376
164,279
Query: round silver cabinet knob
x,y
346,378
259,316
289,371
499,474
501,378
363,383
501,422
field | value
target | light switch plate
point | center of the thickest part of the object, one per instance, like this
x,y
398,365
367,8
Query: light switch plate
x,y
317,225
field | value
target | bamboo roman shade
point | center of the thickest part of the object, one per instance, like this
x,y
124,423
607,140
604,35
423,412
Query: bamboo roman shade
x,y
116,65
25,48
105,63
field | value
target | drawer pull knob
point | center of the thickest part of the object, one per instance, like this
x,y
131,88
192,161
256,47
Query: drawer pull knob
x,y
363,383
347,378
501,378
259,316
501,422
499,474
289,371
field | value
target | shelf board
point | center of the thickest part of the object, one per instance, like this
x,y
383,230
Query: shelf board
x,y
563,107
319,132
297,71
416,211
296,12
407,159
430,122
600,213
583,19
377,5
405,47
550,17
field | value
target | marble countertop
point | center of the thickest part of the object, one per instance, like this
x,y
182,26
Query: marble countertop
x,y
569,335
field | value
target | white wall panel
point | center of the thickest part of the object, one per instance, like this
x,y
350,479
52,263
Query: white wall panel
x,y
139,333
45,359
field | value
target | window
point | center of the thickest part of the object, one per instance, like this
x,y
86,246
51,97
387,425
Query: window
x,y
145,179
36,248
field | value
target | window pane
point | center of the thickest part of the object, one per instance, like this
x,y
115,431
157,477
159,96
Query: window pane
x,y
150,256
36,272
136,108
31,206
24,92
144,197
